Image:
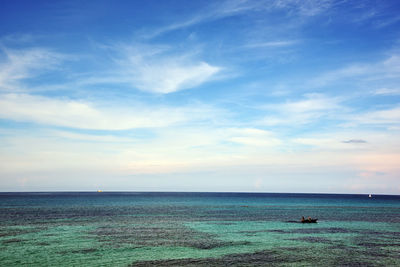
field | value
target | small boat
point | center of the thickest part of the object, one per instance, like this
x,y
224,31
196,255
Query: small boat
x,y
309,220
369,195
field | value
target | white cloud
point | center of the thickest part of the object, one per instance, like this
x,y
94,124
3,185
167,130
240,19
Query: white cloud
x,y
80,114
308,110
392,64
155,69
388,118
213,12
91,137
388,68
375,15
230,8
181,153
313,102
252,137
170,75
330,143
332,76
21,64
16,38
385,116
387,91
351,139
272,44
386,21
305,8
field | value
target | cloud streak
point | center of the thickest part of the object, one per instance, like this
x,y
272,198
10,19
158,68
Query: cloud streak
x,y
85,115
154,69
387,91
383,117
169,74
253,137
17,65
385,69
211,13
230,8
308,110
272,44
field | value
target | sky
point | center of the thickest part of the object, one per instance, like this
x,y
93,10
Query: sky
x,y
225,96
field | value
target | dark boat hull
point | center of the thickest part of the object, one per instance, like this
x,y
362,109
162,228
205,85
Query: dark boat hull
x,y
310,221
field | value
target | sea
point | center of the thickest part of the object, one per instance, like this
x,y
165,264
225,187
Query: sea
x,y
198,229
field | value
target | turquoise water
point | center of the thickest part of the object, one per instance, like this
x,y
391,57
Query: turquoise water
x,y
198,229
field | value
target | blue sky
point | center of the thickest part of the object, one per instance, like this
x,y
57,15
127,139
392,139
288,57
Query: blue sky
x,y
255,96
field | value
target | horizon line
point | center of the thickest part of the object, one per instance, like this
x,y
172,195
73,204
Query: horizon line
x,y
225,192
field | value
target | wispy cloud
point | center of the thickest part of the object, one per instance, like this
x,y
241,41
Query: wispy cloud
x,y
253,137
305,8
387,118
386,91
378,117
385,22
379,16
168,74
388,68
17,38
230,8
313,102
212,12
181,100
16,65
347,72
155,69
348,139
272,44
85,115
91,137
310,109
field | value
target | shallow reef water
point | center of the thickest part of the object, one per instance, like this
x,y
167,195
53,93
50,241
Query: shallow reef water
x,y
197,229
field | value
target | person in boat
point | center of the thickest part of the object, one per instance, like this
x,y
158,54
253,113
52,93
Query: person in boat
x,y
309,219
302,219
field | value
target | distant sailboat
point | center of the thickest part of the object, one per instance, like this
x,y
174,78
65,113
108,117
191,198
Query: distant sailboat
x,y
369,195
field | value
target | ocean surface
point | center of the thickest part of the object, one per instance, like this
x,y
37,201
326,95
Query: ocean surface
x,y
198,229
